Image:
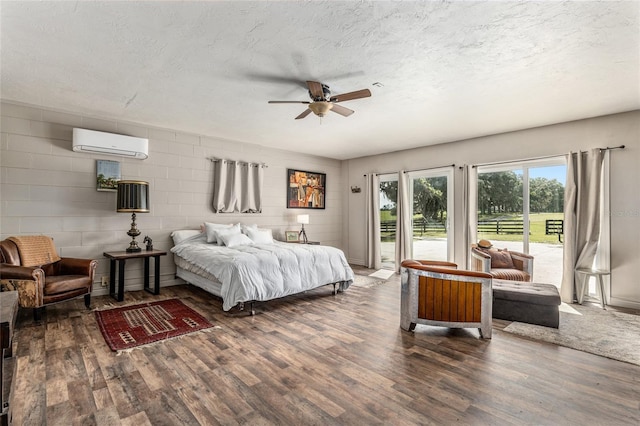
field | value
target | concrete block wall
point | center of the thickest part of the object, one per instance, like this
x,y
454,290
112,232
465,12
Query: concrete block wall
x,y
46,188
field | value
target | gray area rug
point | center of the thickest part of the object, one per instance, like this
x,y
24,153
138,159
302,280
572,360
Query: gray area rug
x,y
614,335
366,281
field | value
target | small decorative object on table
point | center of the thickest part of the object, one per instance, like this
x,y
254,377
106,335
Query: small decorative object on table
x,y
291,236
149,242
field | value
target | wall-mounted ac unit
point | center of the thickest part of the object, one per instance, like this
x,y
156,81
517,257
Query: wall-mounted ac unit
x,y
110,143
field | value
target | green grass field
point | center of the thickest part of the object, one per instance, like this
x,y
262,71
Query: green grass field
x,y
536,228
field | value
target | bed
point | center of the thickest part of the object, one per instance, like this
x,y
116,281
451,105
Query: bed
x,y
259,270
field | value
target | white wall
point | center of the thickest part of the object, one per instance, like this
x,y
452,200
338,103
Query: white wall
x,y
613,130
46,188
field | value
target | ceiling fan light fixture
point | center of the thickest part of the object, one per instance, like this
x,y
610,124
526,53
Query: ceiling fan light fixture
x,y
320,108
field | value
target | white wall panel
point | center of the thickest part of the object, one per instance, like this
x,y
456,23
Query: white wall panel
x,y
47,188
559,139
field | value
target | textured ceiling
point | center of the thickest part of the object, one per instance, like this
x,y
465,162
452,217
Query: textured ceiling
x,y
449,71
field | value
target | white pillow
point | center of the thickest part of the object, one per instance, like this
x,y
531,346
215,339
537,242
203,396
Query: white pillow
x,y
247,227
260,236
238,239
212,228
230,230
181,235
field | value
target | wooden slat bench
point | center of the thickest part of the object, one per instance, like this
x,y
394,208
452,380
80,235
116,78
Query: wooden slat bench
x,y
554,226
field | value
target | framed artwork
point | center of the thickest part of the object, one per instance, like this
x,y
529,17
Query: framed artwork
x,y
305,190
107,175
291,236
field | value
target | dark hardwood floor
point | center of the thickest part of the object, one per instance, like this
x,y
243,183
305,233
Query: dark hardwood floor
x,y
313,358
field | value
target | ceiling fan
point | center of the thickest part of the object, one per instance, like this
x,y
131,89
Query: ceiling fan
x,y
322,101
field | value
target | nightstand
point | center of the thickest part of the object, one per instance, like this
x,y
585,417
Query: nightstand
x,y
313,243
121,257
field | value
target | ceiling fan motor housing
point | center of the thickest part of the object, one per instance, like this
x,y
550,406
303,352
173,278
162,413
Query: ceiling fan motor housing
x,y
326,94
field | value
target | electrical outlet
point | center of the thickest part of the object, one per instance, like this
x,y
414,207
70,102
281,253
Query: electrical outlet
x,y
105,281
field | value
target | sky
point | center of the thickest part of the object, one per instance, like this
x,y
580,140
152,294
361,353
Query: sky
x,y
558,173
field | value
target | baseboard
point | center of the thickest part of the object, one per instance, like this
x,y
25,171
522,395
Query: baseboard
x,y
623,303
98,290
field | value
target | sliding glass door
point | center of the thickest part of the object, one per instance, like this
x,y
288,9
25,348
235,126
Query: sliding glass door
x,y
520,208
432,195
388,211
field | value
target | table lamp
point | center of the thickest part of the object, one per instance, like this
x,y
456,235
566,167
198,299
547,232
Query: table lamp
x,y
133,197
303,219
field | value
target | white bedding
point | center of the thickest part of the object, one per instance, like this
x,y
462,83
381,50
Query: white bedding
x,y
265,271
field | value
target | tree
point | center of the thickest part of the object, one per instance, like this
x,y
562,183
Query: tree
x,y
499,192
390,191
430,197
546,195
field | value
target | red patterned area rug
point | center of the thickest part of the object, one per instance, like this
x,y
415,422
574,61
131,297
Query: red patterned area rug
x,y
137,325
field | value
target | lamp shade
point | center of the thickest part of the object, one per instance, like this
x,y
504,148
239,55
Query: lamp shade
x,y
133,196
303,219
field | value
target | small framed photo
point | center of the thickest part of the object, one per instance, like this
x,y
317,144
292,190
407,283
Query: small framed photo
x,y
107,175
291,236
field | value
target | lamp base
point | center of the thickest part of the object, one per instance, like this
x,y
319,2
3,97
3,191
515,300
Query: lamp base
x,y
302,236
133,233
133,249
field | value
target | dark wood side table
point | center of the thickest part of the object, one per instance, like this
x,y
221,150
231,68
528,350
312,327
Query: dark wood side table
x,y
8,314
121,257
312,243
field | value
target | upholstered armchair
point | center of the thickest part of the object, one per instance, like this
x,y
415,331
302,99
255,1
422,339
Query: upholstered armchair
x,y
502,264
437,293
31,265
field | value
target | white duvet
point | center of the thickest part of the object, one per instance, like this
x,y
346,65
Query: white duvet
x,y
266,271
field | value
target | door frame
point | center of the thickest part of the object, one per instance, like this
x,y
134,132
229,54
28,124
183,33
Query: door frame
x,y
450,223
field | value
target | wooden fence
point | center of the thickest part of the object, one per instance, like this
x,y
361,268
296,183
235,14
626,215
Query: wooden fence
x,y
507,226
420,226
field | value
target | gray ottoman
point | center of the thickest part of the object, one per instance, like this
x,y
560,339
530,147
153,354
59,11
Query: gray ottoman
x,y
532,303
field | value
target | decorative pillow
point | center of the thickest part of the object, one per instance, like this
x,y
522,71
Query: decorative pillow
x,y
233,229
212,230
500,259
260,236
235,239
183,234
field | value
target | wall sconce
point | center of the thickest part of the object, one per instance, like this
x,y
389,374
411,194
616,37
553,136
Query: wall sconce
x,y
355,189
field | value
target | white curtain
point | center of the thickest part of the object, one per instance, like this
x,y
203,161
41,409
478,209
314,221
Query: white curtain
x,y
251,177
237,187
404,222
372,256
582,216
469,210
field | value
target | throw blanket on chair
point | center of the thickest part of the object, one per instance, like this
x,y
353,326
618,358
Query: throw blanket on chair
x,y
36,250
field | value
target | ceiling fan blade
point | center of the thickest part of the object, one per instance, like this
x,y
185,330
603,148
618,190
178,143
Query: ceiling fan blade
x,y
289,102
364,93
345,112
304,114
315,89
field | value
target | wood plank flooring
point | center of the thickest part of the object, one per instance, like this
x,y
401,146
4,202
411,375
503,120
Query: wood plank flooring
x,y
310,359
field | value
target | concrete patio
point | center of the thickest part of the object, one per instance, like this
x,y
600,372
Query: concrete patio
x,y
547,266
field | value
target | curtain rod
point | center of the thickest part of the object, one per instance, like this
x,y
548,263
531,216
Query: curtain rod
x,y
429,168
378,174
518,161
215,160
415,170
538,158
